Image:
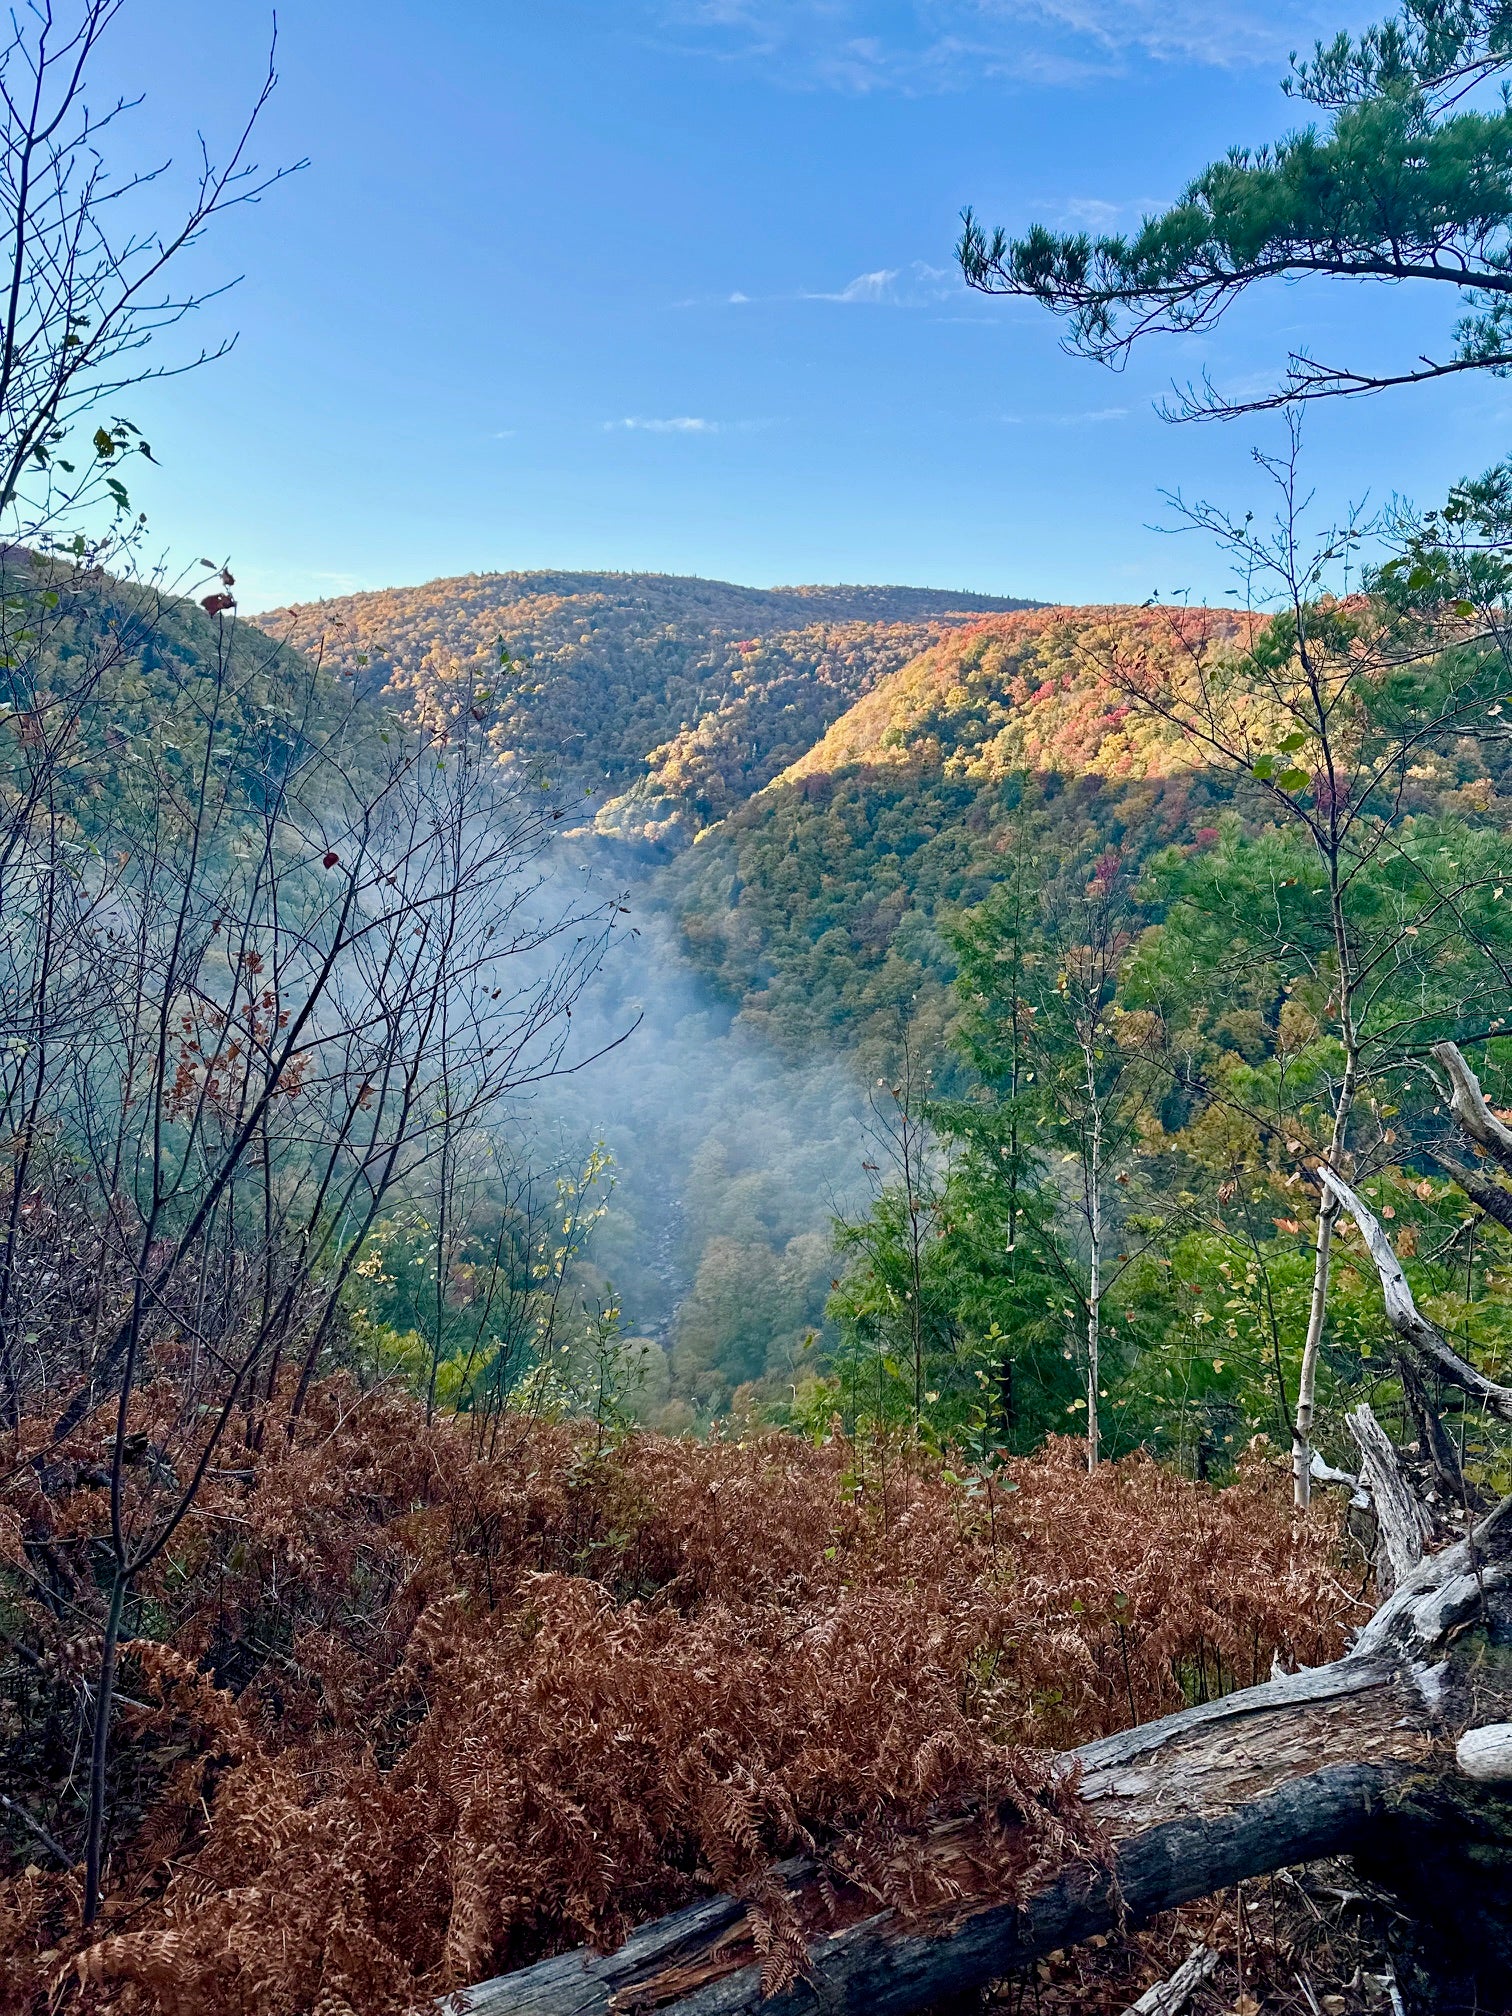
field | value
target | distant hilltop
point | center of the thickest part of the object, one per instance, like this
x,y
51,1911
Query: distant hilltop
x,y
684,599
667,699
671,597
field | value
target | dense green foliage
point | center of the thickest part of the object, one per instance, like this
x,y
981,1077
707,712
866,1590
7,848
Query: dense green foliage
x,y
819,906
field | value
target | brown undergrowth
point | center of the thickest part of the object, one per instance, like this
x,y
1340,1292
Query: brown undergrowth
x,y
401,1711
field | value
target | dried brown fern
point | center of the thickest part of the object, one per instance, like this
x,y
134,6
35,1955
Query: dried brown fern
x,y
406,1717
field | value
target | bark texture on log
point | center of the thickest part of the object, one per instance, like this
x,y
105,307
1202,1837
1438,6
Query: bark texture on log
x,y
1356,1757
1403,1528
1483,1193
1167,1997
1402,1312
1467,1103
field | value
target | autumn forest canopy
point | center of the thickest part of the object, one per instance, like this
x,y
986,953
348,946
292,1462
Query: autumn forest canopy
x,y
670,1248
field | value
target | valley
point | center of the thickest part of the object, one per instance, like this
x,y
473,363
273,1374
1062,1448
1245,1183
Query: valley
x,y
793,789
724,1298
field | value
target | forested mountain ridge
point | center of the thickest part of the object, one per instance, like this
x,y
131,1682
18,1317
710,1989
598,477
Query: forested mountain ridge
x,y
816,905
1034,690
666,699
849,759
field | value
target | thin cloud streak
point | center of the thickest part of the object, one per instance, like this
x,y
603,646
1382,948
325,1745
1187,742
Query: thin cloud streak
x,y
917,285
944,45
681,424
1096,417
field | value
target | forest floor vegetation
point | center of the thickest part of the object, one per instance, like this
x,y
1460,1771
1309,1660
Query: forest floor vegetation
x,y
410,1704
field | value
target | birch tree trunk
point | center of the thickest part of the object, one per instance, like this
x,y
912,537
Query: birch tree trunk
x,y
1093,1173
1317,1308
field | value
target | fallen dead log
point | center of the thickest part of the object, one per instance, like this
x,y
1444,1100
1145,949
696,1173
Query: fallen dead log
x,y
1166,1998
1357,1757
1403,1528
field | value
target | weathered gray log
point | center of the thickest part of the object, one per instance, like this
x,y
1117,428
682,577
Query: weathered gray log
x,y
1325,1473
1403,1528
1486,1753
1320,1762
699,1963
1467,1103
1483,1193
1167,1998
1403,1313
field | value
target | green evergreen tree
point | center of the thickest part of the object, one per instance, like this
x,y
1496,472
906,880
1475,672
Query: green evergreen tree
x,y
1406,177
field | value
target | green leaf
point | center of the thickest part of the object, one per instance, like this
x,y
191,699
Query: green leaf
x,y
1262,767
1293,741
104,446
1294,780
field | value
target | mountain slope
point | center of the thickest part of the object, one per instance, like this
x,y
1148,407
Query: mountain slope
x,y
1027,691
816,905
668,699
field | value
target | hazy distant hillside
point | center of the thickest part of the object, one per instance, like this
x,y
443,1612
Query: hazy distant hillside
x,y
671,699
146,669
815,905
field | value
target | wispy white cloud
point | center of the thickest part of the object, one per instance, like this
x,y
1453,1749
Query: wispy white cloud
x,y
685,423
1094,215
913,286
1093,418
876,286
932,45
917,285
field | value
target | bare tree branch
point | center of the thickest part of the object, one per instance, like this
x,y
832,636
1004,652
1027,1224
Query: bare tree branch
x,y
1402,1311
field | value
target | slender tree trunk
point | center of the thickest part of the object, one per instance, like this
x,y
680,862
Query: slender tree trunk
x,y
99,1752
1094,1275
1328,1211
1094,1340
1307,1382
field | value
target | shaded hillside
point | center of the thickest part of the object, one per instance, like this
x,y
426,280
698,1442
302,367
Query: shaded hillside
x,y
106,679
815,906
669,700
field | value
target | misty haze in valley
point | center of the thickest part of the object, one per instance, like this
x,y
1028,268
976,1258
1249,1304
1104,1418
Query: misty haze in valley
x,y
729,1166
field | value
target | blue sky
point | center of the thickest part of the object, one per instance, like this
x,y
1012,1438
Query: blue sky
x,y
667,284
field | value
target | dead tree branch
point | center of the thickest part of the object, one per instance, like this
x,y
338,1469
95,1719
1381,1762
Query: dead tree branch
x,y
1402,1312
